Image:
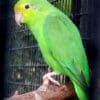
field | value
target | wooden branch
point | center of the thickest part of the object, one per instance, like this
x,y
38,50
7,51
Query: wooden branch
x,y
47,92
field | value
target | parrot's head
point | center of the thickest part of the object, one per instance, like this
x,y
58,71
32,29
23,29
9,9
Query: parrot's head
x,y
28,10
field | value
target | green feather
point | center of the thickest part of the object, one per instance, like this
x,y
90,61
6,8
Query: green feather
x,y
65,46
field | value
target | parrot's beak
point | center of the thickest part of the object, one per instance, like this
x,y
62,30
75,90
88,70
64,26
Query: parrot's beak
x,y
19,18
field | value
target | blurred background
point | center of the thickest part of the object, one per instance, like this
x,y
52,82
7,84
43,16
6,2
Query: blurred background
x,y
22,65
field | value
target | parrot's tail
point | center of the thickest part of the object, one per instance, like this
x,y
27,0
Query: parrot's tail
x,y
81,93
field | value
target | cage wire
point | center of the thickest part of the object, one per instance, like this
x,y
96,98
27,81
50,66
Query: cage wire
x,y
25,65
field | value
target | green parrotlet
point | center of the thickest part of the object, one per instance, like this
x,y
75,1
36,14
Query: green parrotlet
x,y
59,41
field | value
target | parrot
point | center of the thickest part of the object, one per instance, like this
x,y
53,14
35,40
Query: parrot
x,y
59,40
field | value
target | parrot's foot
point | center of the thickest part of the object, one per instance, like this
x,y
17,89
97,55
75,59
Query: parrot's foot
x,y
49,77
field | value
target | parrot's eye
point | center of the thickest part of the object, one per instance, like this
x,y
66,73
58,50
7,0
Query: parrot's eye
x,y
27,6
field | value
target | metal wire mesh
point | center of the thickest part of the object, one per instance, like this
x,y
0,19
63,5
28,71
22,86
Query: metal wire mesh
x,y
25,65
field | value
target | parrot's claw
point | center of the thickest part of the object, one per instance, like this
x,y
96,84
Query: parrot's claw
x,y
49,77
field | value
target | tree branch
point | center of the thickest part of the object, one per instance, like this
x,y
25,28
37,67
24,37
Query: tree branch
x,y
47,92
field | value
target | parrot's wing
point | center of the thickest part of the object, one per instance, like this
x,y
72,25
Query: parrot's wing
x,y
66,48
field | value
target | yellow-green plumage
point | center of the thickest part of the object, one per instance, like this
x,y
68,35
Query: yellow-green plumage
x,y
59,41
